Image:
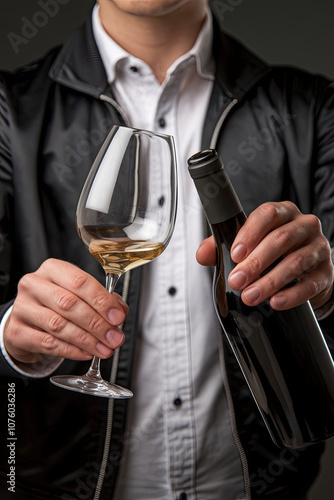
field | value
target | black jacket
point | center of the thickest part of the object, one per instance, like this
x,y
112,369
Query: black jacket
x,y
274,128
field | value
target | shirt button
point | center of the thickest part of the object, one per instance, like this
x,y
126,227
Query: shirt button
x,y
161,201
172,291
162,122
177,401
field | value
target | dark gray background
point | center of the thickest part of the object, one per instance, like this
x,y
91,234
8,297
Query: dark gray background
x,y
293,32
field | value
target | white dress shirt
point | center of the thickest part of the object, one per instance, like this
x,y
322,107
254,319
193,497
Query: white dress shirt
x,y
178,442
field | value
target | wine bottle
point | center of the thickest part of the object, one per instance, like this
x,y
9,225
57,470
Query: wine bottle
x,y
282,354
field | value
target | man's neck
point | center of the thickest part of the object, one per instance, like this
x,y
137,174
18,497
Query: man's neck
x,y
157,40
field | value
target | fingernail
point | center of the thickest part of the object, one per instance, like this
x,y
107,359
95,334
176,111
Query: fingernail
x,y
115,338
116,316
239,252
103,349
279,300
237,279
253,294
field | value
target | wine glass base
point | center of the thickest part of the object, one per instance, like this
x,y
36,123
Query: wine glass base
x,y
89,385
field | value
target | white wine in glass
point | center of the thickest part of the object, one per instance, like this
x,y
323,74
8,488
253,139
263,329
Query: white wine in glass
x,y
125,217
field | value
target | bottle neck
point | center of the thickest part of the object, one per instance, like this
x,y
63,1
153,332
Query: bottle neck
x,y
218,197
225,231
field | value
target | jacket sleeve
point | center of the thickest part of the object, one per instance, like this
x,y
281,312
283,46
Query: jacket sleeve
x,y
324,183
6,199
6,219
6,216
324,161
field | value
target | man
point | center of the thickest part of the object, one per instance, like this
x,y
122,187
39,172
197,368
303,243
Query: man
x,y
192,430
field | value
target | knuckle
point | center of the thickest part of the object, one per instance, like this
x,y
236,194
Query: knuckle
x,y
269,211
83,338
48,343
324,250
100,301
47,265
67,301
13,328
281,237
271,282
25,282
254,264
314,288
289,206
313,223
299,264
95,324
79,280
56,323
308,264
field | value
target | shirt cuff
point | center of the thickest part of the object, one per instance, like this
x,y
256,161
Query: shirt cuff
x,y
43,368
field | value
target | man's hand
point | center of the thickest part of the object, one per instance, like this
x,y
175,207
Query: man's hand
x,y
278,231
62,311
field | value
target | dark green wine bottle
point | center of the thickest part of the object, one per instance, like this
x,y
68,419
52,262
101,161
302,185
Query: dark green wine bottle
x,y
282,354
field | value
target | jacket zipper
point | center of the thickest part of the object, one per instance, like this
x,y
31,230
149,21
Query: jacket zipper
x,y
110,414
115,105
113,374
220,123
229,399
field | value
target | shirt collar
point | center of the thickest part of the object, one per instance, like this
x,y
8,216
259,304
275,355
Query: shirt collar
x,y
111,53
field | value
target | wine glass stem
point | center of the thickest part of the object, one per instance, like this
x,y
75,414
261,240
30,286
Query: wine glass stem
x,y
94,370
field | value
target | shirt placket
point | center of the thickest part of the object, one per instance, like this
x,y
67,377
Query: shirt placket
x,y
174,317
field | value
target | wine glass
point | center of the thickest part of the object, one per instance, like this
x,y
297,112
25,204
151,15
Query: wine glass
x,y
125,217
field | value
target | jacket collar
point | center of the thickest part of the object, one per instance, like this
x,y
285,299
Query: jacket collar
x,y
78,64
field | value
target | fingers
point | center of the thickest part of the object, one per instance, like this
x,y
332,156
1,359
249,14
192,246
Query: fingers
x,y
313,286
268,220
294,238
110,306
31,345
263,220
68,317
62,311
276,246
90,333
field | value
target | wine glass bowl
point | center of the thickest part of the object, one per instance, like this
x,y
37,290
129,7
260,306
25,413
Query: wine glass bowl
x,y
125,217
